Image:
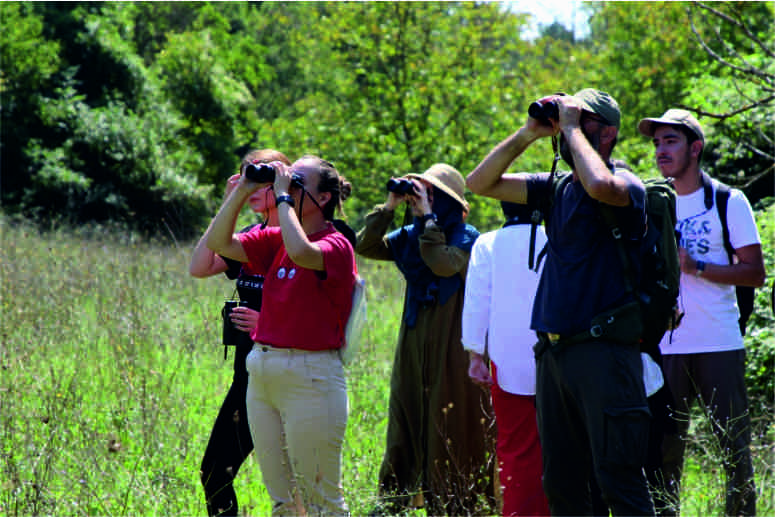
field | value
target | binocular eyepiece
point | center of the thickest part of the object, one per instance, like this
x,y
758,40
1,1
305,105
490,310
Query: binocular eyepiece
x,y
401,187
265,173
544,112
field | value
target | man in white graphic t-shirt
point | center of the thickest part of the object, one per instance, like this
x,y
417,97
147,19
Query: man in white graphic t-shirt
x,y
704,357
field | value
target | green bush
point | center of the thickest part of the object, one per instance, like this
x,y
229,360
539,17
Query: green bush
x,y
114,165
760,338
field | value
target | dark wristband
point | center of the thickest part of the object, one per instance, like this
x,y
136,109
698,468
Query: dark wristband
x,y
428,217
700,267
285,198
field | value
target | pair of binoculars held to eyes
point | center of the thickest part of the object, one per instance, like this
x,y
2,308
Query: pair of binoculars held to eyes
x,y
265,173
401,187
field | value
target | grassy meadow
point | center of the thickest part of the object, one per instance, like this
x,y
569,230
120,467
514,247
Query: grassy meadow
x,y
112,375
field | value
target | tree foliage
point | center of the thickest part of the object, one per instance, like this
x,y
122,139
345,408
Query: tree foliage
x,y
138,111
740,99
407,85
715,60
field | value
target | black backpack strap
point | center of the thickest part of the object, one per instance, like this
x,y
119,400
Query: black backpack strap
x,y
745,294
535,220
616,233
707,188
722,201
343,228
630,278
540,257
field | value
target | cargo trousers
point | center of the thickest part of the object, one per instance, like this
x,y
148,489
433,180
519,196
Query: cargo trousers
x,y
593,419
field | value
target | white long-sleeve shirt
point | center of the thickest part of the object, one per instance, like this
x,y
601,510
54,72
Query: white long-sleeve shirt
x,y
498,304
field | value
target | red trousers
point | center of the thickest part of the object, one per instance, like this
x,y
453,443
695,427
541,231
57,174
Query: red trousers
x,y
519,453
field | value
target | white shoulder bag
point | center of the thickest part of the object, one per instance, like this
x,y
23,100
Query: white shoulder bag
x,y
353,332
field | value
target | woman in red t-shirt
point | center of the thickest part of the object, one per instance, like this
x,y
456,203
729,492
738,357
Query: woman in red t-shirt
x,y
297,396
230,442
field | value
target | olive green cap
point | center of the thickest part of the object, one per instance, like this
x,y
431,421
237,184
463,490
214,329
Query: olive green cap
x,y
600,103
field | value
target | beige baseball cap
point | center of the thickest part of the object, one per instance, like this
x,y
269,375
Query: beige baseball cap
x,y
672,117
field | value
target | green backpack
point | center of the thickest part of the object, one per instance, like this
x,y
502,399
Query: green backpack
x,y
656,291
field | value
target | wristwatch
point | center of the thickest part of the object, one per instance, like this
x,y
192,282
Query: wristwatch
x,y
700,267
428,217
285,198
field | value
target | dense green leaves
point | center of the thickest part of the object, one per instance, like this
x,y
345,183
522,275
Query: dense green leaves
x,y
407,85
135,111
717,60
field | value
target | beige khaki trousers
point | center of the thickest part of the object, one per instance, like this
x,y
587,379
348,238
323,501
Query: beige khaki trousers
x,y
297,412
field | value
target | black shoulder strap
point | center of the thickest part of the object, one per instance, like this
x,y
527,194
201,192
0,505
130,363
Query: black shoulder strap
x,y
540,257
722,202
707,188
343,228
613,226
744,294
535,220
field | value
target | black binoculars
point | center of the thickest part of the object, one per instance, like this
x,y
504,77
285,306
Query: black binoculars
x,y
265,173
401,187
544,111
232,336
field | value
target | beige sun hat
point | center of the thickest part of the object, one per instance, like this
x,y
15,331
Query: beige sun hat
x,y
446,178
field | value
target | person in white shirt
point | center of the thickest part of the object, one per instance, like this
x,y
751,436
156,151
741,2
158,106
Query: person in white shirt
x,y
705,357
499,293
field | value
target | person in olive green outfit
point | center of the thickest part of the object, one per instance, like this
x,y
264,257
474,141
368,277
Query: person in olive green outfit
x,y
440,436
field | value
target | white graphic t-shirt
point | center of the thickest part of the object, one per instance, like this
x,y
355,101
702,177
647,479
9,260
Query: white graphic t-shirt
x,y
710,309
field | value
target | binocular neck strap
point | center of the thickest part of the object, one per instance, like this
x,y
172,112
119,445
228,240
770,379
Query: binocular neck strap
x,y
301,202
556,149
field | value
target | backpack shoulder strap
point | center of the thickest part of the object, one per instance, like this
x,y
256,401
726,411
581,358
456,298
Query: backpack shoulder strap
x,y
535,219
744,294
707,188
613,226
557,183
722,202
540,257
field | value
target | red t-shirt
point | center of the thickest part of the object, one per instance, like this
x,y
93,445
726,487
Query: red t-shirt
x,y
302,308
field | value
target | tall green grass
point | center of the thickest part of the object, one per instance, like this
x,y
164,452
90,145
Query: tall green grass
x,y
111,375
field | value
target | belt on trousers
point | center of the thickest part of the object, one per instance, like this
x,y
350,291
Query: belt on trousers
x,y
551,340
269,348
570,339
